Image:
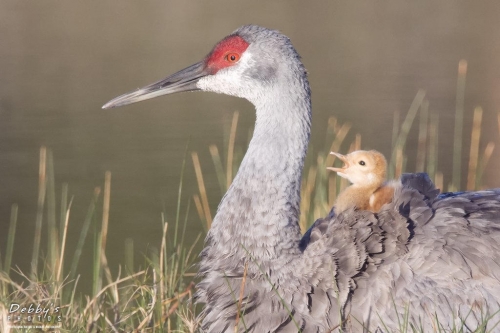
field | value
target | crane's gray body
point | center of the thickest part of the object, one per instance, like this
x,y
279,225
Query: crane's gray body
x,y
436,256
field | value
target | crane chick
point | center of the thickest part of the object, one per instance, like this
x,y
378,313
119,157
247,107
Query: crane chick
x,y
366,170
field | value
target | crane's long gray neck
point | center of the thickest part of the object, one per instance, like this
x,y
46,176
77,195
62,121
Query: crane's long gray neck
x,y
260,211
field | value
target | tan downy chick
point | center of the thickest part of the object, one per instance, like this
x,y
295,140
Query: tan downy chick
x,y
367,171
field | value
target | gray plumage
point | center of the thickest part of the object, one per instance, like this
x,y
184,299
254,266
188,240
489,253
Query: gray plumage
x,y
356,271
418,251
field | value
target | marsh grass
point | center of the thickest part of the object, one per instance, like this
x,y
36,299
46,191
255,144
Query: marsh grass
x,y
156,298
320,188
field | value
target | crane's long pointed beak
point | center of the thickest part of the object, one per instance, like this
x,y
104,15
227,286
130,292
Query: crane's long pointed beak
x,y
183,80
344,159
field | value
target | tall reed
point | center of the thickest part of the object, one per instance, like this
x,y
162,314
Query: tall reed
x,y
459,123
154,299
320,189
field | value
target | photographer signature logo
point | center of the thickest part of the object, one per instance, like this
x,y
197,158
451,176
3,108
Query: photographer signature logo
x,y
34,315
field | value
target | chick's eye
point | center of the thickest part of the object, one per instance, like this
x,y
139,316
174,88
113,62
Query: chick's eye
x,y
232,57
362,163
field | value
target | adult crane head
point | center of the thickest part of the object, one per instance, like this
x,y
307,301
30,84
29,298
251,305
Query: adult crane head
x,y
247,63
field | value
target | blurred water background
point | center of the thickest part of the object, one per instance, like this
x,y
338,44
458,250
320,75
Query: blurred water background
x,y
60,61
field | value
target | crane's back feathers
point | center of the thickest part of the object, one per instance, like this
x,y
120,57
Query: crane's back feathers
x,y
420,251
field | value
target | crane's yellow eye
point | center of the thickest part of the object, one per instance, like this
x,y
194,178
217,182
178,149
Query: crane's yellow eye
x,y
232,57
362,163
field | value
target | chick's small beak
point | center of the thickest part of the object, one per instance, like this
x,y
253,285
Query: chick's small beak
x,y
183,80
344,159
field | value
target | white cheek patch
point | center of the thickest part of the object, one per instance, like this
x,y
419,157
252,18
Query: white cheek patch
x,y
230,80
222,82
203,83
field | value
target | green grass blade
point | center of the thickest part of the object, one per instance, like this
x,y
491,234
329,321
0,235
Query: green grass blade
x,y
459,124
432,152
42,184
52,234
472,172
230,149
105,210
483,162
96,277
405,128
179,193
219,170
64,208
185,222
422,136
129,255
395,128
83,234
60,263
10,239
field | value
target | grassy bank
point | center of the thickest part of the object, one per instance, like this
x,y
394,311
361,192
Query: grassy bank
x,y
156,298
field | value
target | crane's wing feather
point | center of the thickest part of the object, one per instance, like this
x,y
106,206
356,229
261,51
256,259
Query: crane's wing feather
x,y
437,254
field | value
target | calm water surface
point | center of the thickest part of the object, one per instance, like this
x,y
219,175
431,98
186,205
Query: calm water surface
x,y
61,61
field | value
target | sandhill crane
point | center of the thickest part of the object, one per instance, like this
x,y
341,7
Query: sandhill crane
x,y
438,256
